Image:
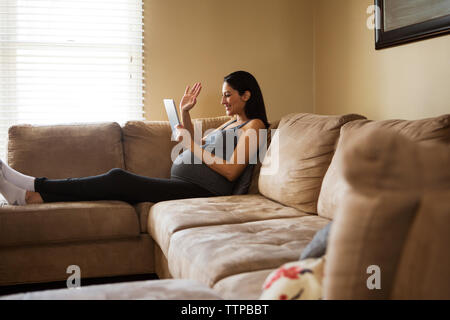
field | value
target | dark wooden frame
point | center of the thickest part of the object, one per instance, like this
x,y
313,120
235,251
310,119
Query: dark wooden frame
x,y
414,32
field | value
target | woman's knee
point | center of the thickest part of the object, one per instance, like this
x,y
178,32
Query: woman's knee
x,y
117,174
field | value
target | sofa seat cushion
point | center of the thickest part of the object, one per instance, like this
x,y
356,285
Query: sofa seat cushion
x,y
211,253
168,217
147,147
243,286
136,290
64,222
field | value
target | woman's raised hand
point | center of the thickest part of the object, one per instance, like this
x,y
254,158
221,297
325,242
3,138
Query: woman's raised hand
x,y
190,97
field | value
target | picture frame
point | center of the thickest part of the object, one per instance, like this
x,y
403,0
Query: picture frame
x,y
405,21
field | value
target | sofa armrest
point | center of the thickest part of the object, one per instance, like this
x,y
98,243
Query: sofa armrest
x,y
379,245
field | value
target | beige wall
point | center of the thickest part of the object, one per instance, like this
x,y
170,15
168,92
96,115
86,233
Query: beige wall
x,y
204,40
408,81
308,56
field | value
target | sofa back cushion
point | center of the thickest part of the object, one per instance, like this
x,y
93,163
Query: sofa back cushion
x,y
210,123
392,222
148,147
298,157
62,151
425,131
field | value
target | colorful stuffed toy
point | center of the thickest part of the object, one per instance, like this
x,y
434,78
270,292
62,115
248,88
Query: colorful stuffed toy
x,y
299,280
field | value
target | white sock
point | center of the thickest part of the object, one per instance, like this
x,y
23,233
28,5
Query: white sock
x,y
16,178
14,195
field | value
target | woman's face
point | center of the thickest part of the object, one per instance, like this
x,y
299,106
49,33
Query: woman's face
x,y
233,102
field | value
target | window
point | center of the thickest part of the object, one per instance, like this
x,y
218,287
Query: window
x,y
66,61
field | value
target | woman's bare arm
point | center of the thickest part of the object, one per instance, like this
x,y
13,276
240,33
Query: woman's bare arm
x,y
187,122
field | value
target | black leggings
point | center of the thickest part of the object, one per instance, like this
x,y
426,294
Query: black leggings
x,y
117,184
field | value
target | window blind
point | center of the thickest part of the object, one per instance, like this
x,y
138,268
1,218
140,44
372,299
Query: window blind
x,y
69,61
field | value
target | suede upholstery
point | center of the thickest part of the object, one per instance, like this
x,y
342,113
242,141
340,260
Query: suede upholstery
x,y
142,210
65,151
254,187
242,286
305,147
161,264
93,230
424,131
395,215
393,205
210,123
199,253
168,217
35,224
430,226
140,140
99,258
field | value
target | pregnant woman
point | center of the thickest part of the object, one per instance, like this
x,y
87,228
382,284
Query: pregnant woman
x,y
219,176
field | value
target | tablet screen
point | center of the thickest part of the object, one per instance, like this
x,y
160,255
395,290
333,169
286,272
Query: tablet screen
x,y
172,114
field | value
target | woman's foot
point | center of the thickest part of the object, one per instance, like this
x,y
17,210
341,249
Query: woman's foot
x,y
16,178
13,195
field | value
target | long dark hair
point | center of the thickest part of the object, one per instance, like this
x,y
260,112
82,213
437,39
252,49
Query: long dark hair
x,y
242,81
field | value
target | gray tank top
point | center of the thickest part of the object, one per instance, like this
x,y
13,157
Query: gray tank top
x,y
221,143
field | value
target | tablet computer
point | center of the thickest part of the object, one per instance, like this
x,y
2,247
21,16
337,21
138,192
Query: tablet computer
x,y
172,114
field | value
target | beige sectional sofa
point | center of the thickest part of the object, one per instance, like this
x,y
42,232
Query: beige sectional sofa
x,y
233,243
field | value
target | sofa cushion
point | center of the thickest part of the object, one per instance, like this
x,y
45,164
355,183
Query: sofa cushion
x,y
66,222
318,245
209,254
136,290
148,146
254,189
63,151
210,123
390,178
168,217
297,280
298,157
334,186
243,286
